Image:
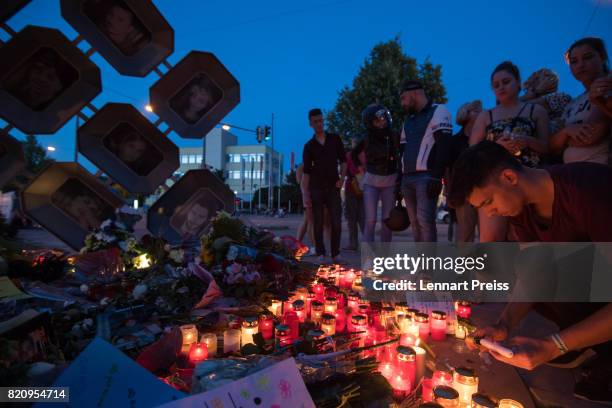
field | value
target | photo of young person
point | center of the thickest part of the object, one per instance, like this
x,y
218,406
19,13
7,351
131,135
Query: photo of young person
x,y
81,204
133,149
119,24
192,218
40,79
196,99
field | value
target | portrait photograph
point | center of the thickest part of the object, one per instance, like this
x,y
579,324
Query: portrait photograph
x,y
40,79
197,98
133,149
119,24
81,204
192,218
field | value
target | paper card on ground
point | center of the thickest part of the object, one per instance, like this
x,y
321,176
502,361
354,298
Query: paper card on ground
x,y
102,376
278,386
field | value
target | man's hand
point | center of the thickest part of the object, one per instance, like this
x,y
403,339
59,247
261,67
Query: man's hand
x,y
498,332
529,353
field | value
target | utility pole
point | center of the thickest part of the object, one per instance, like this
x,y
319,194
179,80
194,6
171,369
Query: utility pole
x,y
271,166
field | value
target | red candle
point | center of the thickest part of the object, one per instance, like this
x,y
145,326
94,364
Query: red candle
x,y
330,291
427,390
423,320
406,363
266,325
316,312
437,325
331,305
360,324
353,302
282,335
386,369
407,339
464,310
298,308
292,320
341,300
198,352
319,291
401,386
349,278
441,378
309,299
340,320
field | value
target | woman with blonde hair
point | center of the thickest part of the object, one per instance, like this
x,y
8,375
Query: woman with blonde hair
x,y
542,88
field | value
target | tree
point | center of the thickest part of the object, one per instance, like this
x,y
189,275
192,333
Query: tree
x,y
35,155
379,81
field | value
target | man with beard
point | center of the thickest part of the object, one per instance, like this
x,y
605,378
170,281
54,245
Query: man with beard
x,y
425,147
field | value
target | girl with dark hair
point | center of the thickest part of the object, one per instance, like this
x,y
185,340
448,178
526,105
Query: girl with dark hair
x,y
520,127
586,134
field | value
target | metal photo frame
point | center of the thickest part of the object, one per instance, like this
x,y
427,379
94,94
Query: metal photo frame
x,y
195,95
69,202
184,212
119,140
131,35
12,160
44,80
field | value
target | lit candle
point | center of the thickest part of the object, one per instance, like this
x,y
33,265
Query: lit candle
x,y
349,278
446,396
420,362
190,336
406,363
401,386
330,291
231,340
313,335
328,324
301,293
437,325
423,320
442,378
407,339
388,316
360,323
427,390
353,302
282,335
509,403
198,352
210,339
464,310
276,307
410,313
364,309
460,331
341,300
340,320
331,305
386,369
249,328
298,308
266,325
309,299
465,381
357,283
482,401
412,327
316,312
292,320
287,306
319,291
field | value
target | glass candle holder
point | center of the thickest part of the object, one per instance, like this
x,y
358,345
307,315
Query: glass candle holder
x,y
340,320
328,324
406,363
287,306
298,308
437,325
353,301
427,390
401,386
231,340
301,293
349,278
386,369
410,312
363,310
446,396
460,331
292,320
423,321
198,352
316,312
250,326
331,305
266,325
309,299
210,339
276,307
316,334
464,309
319,291
360,324
509,403
482,401
282,335
465,381
387,316
189,333
420,362
442,378
331,291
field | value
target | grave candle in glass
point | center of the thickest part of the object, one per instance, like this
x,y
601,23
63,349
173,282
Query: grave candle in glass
x,y
423,320
341,300
353,301
349,278
298,308
427,390
482,401
266,325
282,336
331,305
363,310
276,307
386,369
442,378
190,336
288,306
309,299
464,310
210,339
465,381
301,293
388,316
249,328
401,386
446,396
319,291
198,352
340,320
292,320
360,324
509,403
316,312
411,312
313,335
231,340
420,362
406,363
328,324
437,325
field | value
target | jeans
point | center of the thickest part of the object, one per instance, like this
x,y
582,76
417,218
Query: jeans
x,y
421,193
354,216
371,196
329,198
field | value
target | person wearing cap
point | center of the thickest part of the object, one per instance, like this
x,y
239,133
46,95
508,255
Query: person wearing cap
x,y
425,154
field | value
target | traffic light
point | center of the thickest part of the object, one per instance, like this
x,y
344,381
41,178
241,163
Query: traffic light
x,y
267,133
260,134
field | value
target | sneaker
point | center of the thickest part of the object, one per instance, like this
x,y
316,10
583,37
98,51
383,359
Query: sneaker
x,y
572,359
339,260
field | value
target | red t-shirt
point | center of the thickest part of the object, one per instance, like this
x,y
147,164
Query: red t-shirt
x,y
582,207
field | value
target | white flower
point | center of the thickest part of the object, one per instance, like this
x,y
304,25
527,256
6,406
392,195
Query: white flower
x,y
139,290
105,301
105,224
177,255
88,323
277,240
84,288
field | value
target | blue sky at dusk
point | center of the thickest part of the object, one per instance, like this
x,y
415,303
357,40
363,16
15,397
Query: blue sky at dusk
x,y
291,56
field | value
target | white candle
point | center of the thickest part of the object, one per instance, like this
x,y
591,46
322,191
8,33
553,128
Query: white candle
x,y
190,336
210,339
420,362
509,403
328,324
231,340
250,326
465,382
276,307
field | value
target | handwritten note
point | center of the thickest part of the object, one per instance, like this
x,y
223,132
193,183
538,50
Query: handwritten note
x,y
102,376
278,386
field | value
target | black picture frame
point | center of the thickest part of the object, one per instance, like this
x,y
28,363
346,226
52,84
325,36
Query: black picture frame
x,y
132,35
8,8
69,202
199,73
44,80
184,212
119,140
12,160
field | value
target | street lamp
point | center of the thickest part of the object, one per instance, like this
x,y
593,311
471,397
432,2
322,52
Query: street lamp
x,y
226,127
149,108
51,148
